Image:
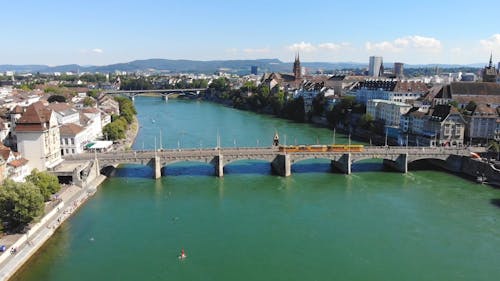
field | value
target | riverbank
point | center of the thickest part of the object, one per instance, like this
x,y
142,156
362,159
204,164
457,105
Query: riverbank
x,y
130,136
23,246
20,247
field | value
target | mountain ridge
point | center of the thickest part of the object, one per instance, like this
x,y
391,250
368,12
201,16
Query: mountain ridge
x,y
198,66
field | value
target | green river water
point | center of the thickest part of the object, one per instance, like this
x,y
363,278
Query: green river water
x,y
252,225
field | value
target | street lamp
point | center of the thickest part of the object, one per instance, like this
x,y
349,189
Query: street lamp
x,y
386,136
406,143
349,141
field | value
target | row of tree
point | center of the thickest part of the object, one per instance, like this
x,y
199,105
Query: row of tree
x,y
118,127
259,99
345,114
21,203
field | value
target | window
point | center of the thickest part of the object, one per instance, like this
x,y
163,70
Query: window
x,y
72,140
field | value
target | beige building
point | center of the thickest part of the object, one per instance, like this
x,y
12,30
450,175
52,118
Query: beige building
x,y
38,137
388,111
442,125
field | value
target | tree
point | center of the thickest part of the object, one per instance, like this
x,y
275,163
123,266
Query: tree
x,y
366,122
295,110
471,106
20,204
46,182
116,129
56,98
93,93
318,104
88,102
453,103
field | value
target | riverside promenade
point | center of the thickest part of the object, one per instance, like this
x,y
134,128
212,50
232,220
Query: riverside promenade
x,y
26,245
70,199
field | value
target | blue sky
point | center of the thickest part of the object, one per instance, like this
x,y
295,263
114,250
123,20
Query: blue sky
x,y
104,32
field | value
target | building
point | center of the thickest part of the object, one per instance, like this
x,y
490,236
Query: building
x,y
387,111
482,123
442,125
297,70
254,70
92,122
489,72
64,112
390,90
375,67
73,139
38,138
12,165
399,70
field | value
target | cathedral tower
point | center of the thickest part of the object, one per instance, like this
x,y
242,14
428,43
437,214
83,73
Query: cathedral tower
x,y
296,67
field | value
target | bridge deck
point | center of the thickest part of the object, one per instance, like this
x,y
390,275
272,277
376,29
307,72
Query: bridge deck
x,y
264,152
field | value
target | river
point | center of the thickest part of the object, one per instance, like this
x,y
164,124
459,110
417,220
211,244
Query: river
x,y
252,225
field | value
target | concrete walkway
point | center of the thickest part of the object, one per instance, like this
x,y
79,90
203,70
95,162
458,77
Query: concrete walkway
x,y
27,244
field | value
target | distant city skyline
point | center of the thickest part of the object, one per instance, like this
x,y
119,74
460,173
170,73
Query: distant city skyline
x,y
105,32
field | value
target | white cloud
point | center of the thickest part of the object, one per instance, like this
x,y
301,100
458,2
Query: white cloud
x,y
492,43
381,46
302,46
97,51
333,46
414,42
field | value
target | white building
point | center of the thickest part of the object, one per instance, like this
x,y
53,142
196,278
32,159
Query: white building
x,y
388,111
390,90
375,67
37,134
92,122
65,113
73,139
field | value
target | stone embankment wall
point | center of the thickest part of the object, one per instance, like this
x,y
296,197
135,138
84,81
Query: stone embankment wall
x,y
471,168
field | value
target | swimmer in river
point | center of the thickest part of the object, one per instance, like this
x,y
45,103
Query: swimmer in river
x,y
182,255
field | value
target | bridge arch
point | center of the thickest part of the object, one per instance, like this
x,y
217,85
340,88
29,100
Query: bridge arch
x,y
231,161
180,161
304,157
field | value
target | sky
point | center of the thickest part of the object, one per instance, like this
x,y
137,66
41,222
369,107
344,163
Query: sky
x,y
101,32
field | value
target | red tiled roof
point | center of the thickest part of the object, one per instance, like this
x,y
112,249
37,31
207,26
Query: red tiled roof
x,y
18,162
476,88
36,113
56,106
33,119
90,110
18,110
70,129
410,86
30,128
4,153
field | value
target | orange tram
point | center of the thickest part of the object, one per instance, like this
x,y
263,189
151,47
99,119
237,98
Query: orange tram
x,y
322,148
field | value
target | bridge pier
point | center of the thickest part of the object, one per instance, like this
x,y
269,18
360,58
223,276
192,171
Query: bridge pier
x,y
282,165
132,97
165,97
219,165
400,164
343,164
156,163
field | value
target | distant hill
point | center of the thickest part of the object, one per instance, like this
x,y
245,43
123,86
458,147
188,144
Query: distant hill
x,y
194,66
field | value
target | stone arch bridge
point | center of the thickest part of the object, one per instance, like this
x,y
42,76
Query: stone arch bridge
x,y
396,158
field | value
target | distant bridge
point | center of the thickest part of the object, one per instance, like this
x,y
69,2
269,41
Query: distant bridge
x,y
165,93
395,157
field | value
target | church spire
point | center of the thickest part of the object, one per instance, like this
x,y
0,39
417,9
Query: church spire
x,y
491,59
296,67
